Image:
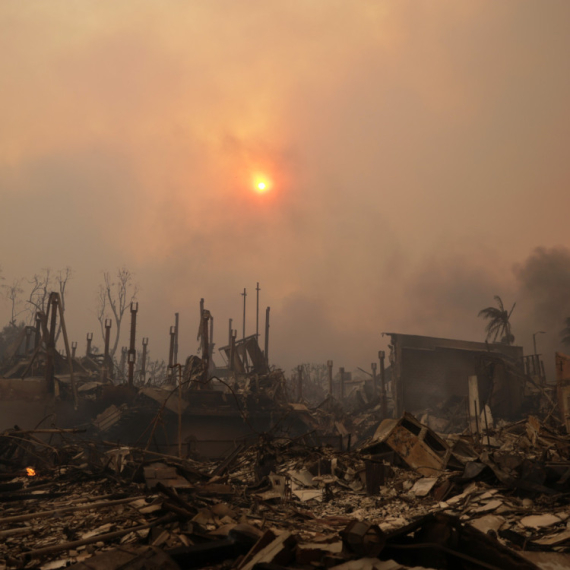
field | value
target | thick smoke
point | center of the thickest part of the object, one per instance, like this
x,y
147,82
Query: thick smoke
x,y
544,299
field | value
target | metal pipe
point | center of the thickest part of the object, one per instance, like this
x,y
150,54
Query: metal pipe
x,y
232,349
244,295
382,356
171,349
108,363
176,322
257,313
89,340
144,356
330,372
211,347
132,356
179,410
267,336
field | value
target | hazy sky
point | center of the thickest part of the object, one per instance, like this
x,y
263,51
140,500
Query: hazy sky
x,y
417,154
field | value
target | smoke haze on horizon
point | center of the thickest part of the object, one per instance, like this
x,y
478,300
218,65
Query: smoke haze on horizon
x,y
418,155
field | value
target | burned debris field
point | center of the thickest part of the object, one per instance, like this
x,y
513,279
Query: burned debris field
x,y
447,454
284,285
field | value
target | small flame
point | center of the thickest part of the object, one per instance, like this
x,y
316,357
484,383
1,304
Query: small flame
x,y
31,472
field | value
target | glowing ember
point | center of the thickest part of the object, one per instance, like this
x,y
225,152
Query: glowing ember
x,y
30,472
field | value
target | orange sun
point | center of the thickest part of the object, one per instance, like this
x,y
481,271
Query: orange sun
x,y
261,184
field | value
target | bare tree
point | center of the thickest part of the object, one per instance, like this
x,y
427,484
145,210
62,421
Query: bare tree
x,y
42,285
12,293
39,293
156,372
115,295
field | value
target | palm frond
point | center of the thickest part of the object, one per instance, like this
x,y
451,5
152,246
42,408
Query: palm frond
x,y
499,302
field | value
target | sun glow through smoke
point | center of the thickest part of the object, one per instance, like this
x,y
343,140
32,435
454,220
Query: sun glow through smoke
x,y
261,184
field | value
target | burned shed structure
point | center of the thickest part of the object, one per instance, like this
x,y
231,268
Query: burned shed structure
x,y
430,373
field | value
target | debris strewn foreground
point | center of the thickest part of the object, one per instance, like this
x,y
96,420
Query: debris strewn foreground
x,y
405,498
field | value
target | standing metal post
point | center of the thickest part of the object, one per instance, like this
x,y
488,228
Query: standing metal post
x,y
257,313
267,336
244,295
374,367
341,372
132,349
381,356
144,355
176,321
230,357
89,340
245,363
179,410
232,349
108,363
73,349
300,383
211,346
204,337
171,350
330,371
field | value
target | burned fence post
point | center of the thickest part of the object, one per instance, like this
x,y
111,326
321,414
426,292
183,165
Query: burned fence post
x,y
267,336
374,367
144,356
341,374
382,356
73,349
89,341
132,350
330,373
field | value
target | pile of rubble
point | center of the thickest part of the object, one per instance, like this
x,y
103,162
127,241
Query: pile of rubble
x,y
406,497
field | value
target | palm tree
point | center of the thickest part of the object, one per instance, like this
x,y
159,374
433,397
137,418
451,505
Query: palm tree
x,y
499,322
565,333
